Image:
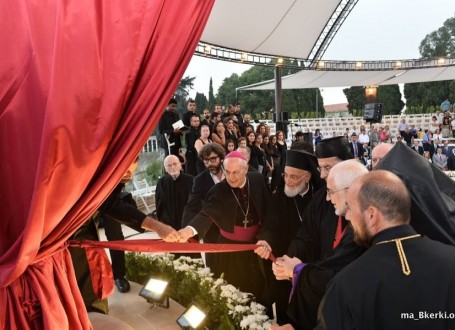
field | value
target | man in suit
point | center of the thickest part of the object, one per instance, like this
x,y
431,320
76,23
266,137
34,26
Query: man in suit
x,y
417,148
212,154
440,160
446,150
355,146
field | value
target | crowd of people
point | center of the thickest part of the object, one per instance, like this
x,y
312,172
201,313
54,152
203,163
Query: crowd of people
x,y
336,235
230,129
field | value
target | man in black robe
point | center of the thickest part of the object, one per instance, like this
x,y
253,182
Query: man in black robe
x,y
324,243
172,191
168,132
114,209
404,280
237,206
212,155
288,206
432,192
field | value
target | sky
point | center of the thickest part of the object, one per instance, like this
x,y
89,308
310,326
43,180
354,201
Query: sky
x,y
374,30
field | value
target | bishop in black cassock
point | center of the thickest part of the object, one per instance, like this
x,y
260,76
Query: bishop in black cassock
x,y
238,207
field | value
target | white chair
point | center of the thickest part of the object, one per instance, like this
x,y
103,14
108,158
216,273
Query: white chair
x,y
143,193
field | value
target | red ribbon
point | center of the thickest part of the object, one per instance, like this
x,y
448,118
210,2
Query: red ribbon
x,y
101,270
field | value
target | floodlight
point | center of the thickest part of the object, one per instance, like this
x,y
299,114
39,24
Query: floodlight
x,y
191,318
155,292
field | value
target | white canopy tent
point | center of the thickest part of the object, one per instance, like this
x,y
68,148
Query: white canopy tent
x,y
317,79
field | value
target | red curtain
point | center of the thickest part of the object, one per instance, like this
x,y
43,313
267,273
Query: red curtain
x,y
82,85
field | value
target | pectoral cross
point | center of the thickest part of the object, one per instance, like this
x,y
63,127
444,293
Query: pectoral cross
x,y
245,222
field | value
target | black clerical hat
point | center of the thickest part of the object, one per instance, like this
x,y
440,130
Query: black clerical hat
x,y
301,159
334,147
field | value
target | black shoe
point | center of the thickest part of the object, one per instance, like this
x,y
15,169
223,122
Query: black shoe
x,y
122,285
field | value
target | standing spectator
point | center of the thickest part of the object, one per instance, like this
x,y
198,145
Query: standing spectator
x,y
191,111
402,126
282,147
203,140
276,161
167,132
219,134
191,152
215,118
356,147
373,136
231,131
445,105
172,191
434,125
363,136
206,119
445,126
246,123
317,136
426,140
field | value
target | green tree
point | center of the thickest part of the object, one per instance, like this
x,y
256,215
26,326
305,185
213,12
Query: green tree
x,y
201,102
427,96
390,97
212,100
356,98
182,92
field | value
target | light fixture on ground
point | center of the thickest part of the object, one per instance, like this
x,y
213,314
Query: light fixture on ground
x,y
191,318
155,292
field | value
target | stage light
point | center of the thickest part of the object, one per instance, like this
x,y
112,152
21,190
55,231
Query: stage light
x,y
279,61
244,57
208,49
441,61
155,292
321,64
191,318
358,65
397,64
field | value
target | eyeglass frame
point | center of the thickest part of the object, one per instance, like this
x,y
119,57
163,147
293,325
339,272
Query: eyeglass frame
x,y
211,160
293,178
330,192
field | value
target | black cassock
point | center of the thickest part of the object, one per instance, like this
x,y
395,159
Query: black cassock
x,y
314,245
171,197
374,293
432,193
287,216
244,270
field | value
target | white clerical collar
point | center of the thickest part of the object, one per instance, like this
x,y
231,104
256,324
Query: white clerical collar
x,y
305,192
243,184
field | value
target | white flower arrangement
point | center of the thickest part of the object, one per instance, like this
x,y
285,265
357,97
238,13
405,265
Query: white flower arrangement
x,y
240,308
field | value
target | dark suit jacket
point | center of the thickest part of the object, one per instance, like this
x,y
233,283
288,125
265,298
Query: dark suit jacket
x,y
447,151
420,149
201,186
359,149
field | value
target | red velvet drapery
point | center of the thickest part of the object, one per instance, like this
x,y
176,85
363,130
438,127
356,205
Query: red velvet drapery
x,y
82,85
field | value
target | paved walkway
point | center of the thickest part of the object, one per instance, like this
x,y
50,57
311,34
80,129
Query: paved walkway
x,y
133,309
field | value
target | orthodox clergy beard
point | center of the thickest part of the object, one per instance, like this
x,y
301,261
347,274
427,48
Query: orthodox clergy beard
x,y
361,236
294,191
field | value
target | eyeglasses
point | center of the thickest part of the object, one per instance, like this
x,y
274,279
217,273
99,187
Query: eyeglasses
x,y
330,192
293,178
211,160
172,164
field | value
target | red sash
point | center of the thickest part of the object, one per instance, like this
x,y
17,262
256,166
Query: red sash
x,y
241,233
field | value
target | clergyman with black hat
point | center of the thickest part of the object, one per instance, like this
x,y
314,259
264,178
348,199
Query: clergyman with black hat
x,y
323,245
301,181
